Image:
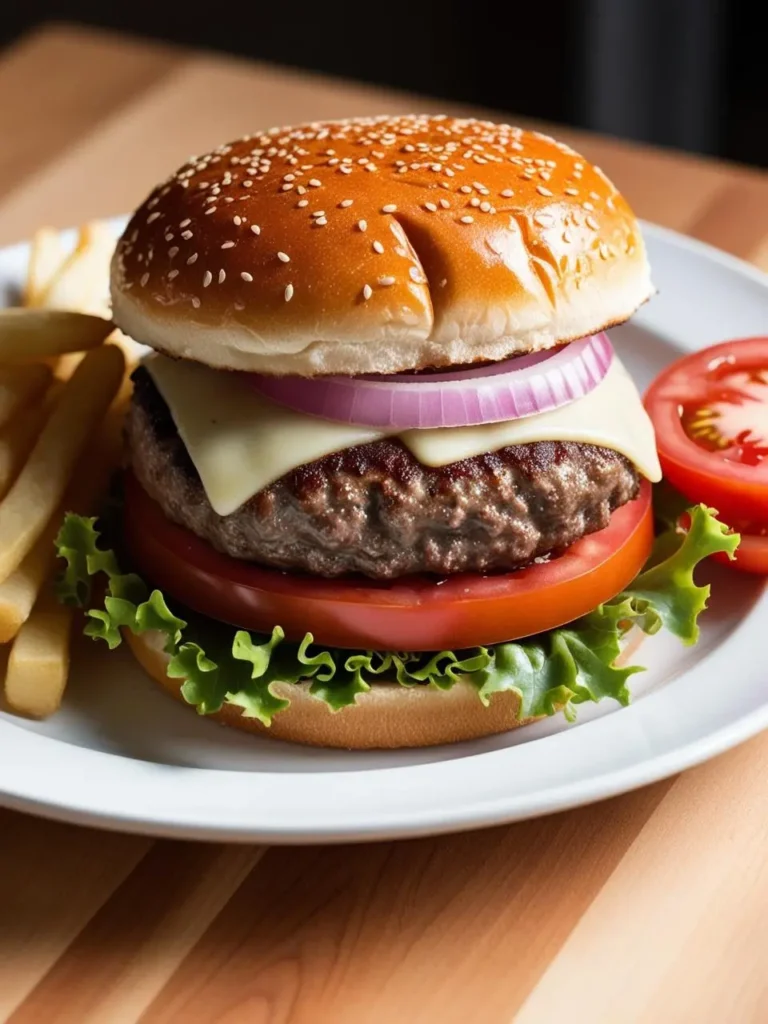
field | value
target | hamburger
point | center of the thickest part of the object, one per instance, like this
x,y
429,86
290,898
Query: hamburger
x,y
387,482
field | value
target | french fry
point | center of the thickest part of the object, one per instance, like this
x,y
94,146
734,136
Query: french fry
x,y
45,259
32,501
16,442
29,334
19,386
82,281
38,666
20,590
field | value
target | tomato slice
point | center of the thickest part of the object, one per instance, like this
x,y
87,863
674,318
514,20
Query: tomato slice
x,y
710,412
751,554
411,614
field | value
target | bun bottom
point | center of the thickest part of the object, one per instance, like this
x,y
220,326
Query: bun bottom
x,y
387,717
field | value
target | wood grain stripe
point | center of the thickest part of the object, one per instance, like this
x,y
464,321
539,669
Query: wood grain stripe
x,y
687,900
82,77
53,879
417,931
736,219
128,951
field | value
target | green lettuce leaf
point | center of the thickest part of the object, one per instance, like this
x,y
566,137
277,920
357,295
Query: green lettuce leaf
x,y
554,671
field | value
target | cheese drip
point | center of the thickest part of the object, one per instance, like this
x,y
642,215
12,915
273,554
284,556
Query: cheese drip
x,y
240,442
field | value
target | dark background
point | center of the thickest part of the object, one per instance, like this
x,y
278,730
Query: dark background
x,y
686,73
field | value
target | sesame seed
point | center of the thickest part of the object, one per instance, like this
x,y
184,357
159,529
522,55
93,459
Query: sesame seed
x,y
255,229
169,236
172,274
543,191
485,207
467,219
571,191
227,245
445,204
378,247
593,195
240,306
314,183
185,223
588,206
286,188
362,225
173,251
367,292
345,203
431,207
320,222
192,259
196,302
344,169
207,278
247,183
186,234
246,276
288,292
144,279
508,193
152,217
466,189
416,275
302,203
284,257
389,208
591,222
301,190
237,220
318,213
386,281
222,276
211,209
474,201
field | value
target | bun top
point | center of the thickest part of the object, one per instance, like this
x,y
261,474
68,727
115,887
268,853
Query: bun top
x,y
378,245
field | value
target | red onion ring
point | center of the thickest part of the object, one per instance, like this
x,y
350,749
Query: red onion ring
x,y
522,386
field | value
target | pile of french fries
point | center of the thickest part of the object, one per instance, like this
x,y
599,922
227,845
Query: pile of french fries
x,y
63,391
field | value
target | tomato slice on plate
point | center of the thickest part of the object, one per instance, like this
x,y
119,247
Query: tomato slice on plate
x,y
751,554
410,614
710,412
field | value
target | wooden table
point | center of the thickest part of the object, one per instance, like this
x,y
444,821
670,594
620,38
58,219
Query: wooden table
x,y
652,907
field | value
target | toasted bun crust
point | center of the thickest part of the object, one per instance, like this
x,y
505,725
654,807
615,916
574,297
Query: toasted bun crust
x,y
378,245
388,716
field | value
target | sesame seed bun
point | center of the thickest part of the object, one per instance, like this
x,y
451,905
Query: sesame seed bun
x,y
376,246
388,716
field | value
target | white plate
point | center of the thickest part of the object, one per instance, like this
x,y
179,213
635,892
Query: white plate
x,y
121,754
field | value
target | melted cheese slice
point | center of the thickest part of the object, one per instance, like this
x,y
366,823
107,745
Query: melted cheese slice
x,y
241,442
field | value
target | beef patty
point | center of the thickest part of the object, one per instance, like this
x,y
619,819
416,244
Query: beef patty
x,y
374,509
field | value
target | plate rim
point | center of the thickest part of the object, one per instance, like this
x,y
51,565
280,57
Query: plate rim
x,y
465,815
